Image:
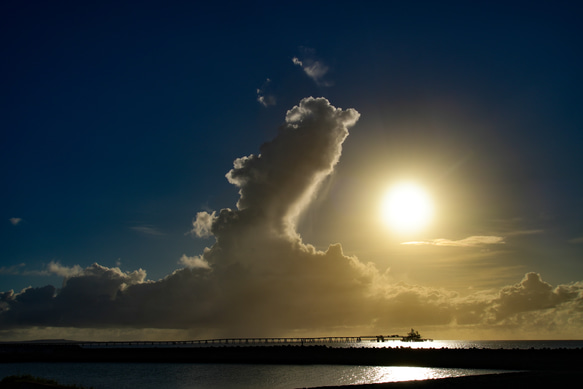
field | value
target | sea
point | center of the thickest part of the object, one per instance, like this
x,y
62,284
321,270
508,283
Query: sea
x,y
253,376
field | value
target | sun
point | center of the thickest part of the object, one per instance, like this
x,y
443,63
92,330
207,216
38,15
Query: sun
x,y
406,208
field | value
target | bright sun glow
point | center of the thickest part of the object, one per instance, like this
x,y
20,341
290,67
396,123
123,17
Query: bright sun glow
x,y
407,208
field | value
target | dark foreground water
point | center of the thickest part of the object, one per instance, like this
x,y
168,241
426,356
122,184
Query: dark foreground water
x,y
239,376
227,376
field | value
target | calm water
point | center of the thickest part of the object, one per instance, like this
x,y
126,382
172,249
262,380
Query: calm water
x,y
232,376
223,376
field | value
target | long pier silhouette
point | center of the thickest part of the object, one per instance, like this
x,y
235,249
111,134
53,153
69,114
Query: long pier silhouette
x,y
222,341
228,341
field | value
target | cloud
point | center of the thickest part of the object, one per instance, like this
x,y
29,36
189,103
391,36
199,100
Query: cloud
x,y
578,240
315,69
524,232
263,278
472,241
531,294
15,221
87,298
263,96
535,306
147,230
277,184
196,262
201,226
53,268
64,271
530,308
12,270
259,278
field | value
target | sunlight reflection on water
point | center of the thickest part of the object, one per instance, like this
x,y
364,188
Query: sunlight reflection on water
x,y
377,374
466,344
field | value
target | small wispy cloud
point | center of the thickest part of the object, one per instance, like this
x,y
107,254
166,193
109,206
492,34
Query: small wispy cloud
x,y
15,220
11,270
524,232
53,268
264,96
147,230
314,68
578,240
472,241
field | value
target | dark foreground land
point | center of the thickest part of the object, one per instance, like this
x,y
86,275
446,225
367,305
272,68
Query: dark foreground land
x,y
505,359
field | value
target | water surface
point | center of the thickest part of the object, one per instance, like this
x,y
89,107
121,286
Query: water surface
x,y
238,376
223,376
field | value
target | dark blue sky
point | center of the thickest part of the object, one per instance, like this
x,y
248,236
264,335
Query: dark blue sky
x,y
119,121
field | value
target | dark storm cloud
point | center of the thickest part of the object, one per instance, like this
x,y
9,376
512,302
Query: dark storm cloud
x,y
259,278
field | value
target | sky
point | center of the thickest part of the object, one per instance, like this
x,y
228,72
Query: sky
x,y
176,170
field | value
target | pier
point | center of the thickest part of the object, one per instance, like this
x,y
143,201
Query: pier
x,y
226,341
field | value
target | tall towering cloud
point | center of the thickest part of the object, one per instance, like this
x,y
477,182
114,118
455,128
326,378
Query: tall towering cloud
x,y
278,183
260,278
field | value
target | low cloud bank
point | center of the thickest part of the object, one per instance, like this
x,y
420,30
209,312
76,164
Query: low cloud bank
x,y
260,279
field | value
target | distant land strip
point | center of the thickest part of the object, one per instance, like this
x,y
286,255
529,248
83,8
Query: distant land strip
x,y
505,359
